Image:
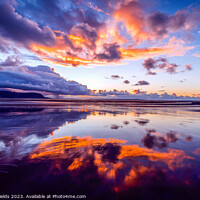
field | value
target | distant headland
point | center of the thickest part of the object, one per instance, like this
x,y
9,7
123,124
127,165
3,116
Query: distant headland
x,y
30,95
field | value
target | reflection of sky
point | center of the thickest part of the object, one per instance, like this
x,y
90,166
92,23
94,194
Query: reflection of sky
x,y
101,167
22,129
27,129
119,148
184,123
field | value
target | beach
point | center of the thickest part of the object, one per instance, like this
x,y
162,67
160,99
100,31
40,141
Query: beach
x,y
116,149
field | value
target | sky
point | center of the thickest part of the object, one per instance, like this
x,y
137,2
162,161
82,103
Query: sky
x,y
143,48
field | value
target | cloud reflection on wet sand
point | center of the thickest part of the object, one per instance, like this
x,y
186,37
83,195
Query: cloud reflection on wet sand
x,y
144,162
110,162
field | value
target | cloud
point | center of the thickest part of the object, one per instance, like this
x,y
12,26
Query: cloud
x,y
91,5
158,23
61,15
161,90
40,78
76,33
79,52
3,46
142,25
115,77
161,64
186,19
110,53
126,82
83,42
174,47
183,80
11,61
109,6
6,47
88,33
112,92
188,67
196,55
23,30
143,95
139,83
132,15
139,92
162,24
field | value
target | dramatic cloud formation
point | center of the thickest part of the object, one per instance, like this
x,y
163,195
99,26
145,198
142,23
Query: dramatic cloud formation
x,y
162,24
139,83
142,26
23,30
40,78
99,33
132,15
83,33
162,64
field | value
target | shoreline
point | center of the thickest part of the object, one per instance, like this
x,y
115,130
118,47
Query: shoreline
x,y
111,102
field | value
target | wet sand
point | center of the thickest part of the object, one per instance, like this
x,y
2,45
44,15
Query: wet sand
x,y
104,149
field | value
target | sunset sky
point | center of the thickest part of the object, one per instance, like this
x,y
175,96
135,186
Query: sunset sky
x,y
71,47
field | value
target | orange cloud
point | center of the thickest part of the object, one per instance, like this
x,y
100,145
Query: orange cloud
x,y
196,55
132,16
76,39
175,47
143,53
63,55
75,49
85,38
